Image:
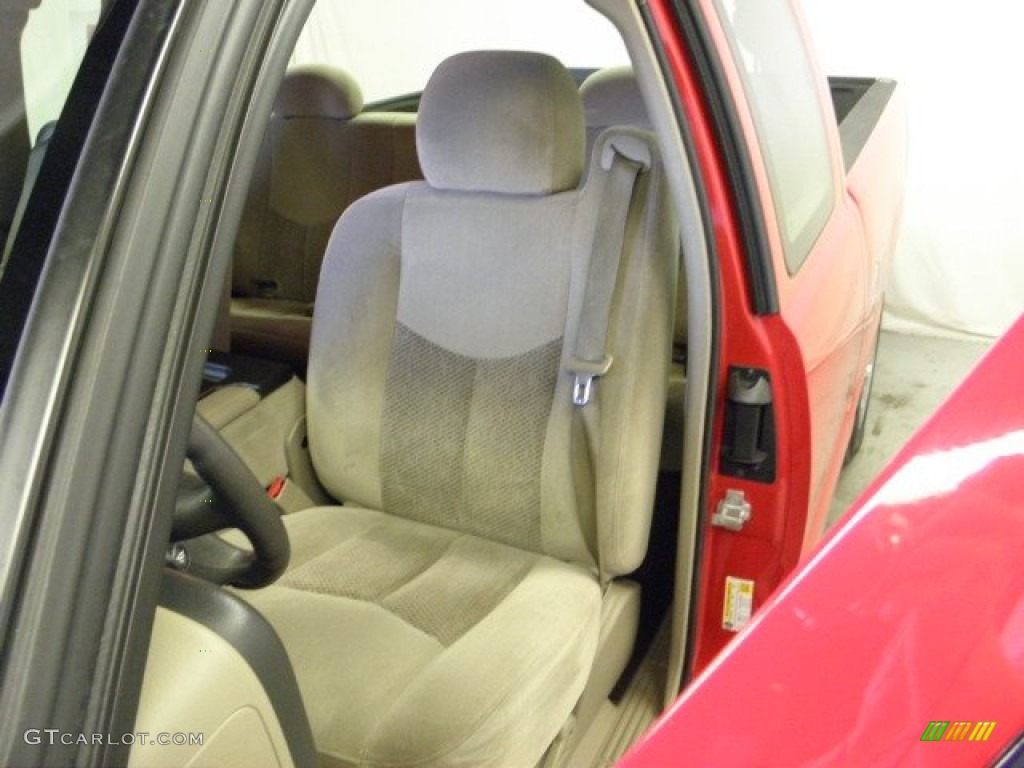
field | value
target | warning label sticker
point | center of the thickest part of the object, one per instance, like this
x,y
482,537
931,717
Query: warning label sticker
x,y
739,603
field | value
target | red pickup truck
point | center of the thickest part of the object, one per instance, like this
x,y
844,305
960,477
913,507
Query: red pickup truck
x,y
807,193
580,354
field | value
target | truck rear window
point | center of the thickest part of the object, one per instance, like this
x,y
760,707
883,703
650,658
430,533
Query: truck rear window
x,y
781,89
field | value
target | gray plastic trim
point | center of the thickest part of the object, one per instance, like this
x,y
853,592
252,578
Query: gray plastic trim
x,y
240,625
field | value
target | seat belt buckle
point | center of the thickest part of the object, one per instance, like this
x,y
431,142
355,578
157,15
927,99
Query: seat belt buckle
x,y
583,374
276,487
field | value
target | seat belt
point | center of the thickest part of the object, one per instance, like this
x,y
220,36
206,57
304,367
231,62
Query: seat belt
x,y
590,359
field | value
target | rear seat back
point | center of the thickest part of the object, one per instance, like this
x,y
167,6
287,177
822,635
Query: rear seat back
x,y
611,97
321,153
299,187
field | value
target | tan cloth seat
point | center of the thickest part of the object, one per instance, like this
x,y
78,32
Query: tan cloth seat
x,y
321,153
449,613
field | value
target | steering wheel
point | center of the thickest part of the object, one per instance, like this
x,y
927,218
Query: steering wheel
x,y
226,494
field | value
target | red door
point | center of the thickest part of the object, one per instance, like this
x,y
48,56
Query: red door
x,y
792,297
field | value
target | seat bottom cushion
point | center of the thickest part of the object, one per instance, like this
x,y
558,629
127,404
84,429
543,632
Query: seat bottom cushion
x,y
415,645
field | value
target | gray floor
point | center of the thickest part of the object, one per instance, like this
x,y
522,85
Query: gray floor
x,y
914,374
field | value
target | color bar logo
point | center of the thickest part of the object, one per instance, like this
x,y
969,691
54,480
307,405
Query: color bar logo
x,y
961,730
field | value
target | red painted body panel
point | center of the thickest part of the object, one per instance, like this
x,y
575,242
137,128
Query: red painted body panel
x,y
911,611
829,304
815,349
762,550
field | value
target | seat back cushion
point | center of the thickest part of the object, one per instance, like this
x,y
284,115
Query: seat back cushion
x,y
611,97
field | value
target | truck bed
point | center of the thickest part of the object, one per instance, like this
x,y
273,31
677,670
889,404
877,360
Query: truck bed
x,y
859,103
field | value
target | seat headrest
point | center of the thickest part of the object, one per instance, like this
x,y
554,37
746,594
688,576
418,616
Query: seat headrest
x,y
318,91
501,121
612,97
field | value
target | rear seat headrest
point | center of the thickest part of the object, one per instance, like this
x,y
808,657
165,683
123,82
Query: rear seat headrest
x,y
501,121
612,97
318,91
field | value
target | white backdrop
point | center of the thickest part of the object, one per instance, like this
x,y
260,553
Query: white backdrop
x,y
52,47
959,266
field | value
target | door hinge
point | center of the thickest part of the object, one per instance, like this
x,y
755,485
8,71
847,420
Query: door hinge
x,y
733,511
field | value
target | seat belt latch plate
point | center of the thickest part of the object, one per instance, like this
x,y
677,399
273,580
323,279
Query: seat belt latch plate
x,y
584,373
